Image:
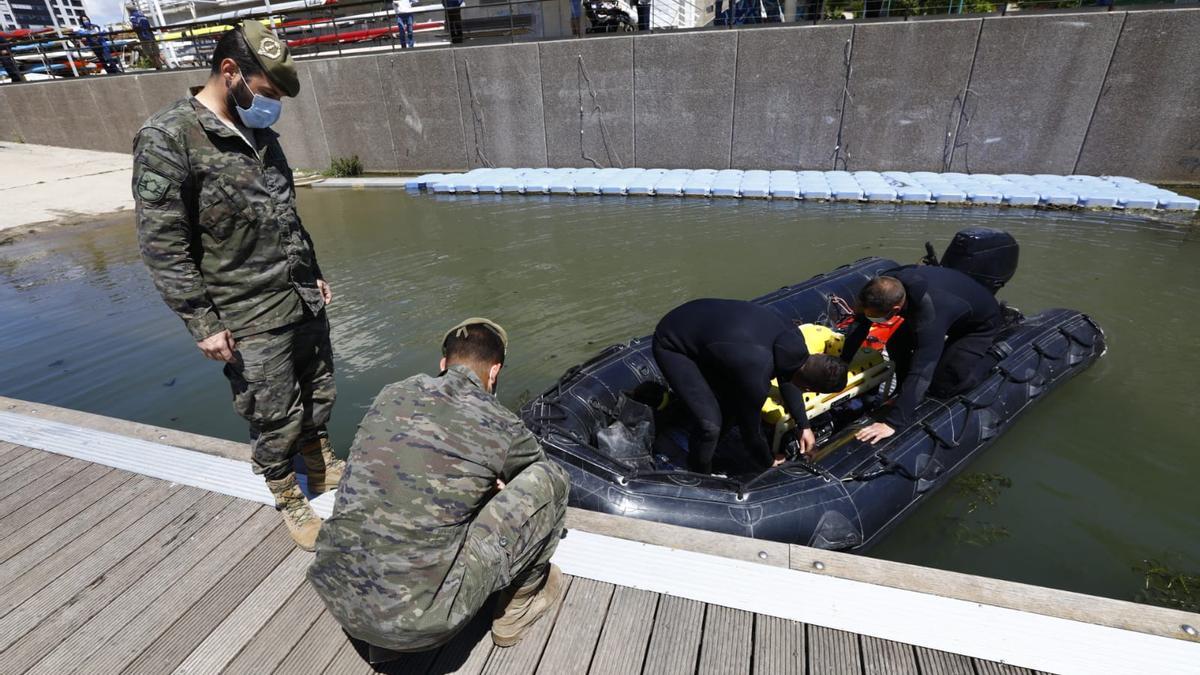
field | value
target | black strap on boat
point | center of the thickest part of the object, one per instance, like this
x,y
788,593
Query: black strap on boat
x,y
1008,375
887,467
1000,350
976,405
1076,339
1042,351
933,433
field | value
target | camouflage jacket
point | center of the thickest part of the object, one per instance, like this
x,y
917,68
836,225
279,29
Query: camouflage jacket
x,y
217,224
424,462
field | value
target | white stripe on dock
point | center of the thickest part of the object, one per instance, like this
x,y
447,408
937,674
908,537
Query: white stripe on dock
x,y
979,630
923,187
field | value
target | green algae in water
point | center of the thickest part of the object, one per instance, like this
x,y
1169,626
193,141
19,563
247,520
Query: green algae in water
x,y
971,492
1165,585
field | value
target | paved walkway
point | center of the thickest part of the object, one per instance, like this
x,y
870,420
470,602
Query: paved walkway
x,y
41,183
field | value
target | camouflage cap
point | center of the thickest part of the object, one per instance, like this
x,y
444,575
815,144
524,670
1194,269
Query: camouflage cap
x,y
273,55
462,325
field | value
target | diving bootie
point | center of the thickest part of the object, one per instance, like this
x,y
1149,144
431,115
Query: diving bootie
x,y
525,606
302,523
324,468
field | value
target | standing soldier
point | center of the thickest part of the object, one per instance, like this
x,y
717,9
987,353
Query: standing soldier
x,y
448,498
217,226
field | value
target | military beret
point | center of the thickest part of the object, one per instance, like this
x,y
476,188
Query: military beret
x,y
273,55
476,320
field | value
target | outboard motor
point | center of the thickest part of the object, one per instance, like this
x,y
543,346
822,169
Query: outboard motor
x,y
986,255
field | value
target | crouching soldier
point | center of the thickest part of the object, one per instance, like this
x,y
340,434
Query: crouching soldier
x,y
447,498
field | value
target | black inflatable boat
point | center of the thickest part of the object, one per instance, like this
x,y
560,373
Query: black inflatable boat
x,y
851,496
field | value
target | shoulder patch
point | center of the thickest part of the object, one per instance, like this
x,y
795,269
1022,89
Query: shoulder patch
x,y
152,186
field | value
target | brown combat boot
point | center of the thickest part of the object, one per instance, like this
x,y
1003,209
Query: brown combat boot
x,y
302,522
524,606
324,468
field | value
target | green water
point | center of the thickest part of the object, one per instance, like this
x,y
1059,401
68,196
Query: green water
x,y
1103,471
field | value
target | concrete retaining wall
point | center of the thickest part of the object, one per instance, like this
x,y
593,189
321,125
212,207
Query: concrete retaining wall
x,y
1090,92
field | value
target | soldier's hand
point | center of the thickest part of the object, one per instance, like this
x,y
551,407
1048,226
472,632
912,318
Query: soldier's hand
x,y
808,441
326,291
218,346
499,485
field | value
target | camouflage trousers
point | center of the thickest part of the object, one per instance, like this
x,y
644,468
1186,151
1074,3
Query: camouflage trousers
x,y
283,386
508,544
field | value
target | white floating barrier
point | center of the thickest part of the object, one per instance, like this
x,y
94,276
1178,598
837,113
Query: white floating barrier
x,y
671,182
562,182
617,182
699,183
785,185
984,189
587,181
756,184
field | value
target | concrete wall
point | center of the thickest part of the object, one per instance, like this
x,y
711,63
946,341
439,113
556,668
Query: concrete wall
x,y
1088,92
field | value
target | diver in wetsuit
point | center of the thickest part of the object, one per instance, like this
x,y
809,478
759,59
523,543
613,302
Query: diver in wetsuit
x,y
950,322
719,357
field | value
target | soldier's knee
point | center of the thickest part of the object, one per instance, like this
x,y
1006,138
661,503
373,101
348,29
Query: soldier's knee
x,y
550,480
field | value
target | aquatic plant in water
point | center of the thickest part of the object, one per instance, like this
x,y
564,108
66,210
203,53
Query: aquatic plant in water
x,y
972,491
344,167
1165,585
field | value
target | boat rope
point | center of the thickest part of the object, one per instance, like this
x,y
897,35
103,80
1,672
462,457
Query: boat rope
x,y
845,313
598,111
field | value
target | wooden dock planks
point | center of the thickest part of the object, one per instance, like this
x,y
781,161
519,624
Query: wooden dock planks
x,y
778,646
577,629
675,637
113,572
727,644
137,600
621,649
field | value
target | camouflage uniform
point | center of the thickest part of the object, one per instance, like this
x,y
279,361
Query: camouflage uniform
x,y
419,537
218,229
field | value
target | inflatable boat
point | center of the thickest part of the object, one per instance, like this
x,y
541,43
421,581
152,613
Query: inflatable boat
x,y
624,457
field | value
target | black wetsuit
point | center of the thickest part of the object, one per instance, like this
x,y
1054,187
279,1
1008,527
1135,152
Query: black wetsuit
x,y
950,322
719,357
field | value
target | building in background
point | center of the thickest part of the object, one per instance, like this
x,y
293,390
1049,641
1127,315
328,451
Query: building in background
x,y
37,14
7,20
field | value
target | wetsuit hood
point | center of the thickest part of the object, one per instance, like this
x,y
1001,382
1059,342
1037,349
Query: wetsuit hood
x,y
790,351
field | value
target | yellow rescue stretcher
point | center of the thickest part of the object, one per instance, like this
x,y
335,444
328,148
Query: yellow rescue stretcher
x,y
867,371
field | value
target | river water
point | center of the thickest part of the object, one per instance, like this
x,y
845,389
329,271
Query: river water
x,y
1097,476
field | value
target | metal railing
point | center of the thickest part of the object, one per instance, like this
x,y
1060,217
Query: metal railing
x,y
358,26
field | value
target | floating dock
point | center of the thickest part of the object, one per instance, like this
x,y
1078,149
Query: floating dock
x,y
918,187
137,549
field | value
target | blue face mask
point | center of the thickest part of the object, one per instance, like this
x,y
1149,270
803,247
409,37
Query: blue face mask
x,y
263,111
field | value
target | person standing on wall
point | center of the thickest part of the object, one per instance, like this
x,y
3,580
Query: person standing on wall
x,y
8,62
218,229
643,11
94,37
577,18
141,26
454,20
404,17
